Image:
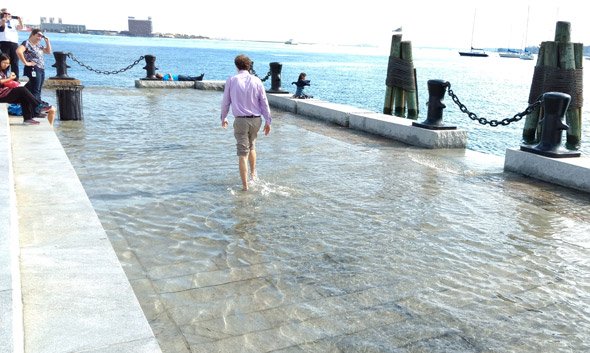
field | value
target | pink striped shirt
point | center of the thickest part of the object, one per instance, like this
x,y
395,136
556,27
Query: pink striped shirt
x,y
246,96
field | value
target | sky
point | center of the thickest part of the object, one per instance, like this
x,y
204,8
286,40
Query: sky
x,y
448,24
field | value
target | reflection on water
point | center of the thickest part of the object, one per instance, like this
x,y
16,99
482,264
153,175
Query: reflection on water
x,y
346,243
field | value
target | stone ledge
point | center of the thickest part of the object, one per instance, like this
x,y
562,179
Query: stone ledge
x,y
202,85
569,172
389,126
11,323
210,85
75,294
56,83
401,129
163,84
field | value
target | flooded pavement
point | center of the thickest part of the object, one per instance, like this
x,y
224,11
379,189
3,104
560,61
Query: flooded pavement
x,y
347,242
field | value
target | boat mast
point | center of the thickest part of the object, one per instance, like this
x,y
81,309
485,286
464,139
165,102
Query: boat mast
x,y
526,31
473,27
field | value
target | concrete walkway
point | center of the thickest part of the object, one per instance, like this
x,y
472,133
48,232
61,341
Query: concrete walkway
x,y
75,295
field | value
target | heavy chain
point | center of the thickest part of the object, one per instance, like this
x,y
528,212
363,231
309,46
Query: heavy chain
x,y
253,72
71,56
265,77
494,123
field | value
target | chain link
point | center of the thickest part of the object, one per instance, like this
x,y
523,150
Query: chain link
x,y
265,77
71,56
262,79
494,123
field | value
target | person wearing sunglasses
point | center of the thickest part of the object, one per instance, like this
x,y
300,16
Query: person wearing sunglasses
x,y
31,52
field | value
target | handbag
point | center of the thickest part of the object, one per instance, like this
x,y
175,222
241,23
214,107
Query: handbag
x,y
11,84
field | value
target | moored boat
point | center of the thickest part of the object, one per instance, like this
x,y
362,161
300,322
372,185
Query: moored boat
x,y
474,52
510,53
527,55
477,52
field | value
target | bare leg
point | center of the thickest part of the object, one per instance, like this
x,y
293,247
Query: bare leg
x,y
51,116
252,161
243,164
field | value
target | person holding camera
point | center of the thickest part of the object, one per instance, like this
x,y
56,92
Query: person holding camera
x,y
31,52
9,27
301,83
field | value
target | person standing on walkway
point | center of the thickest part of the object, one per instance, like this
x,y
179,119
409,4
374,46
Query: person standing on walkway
x,y
245,94
9,27
31,52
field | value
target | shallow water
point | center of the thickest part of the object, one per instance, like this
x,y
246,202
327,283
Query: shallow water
x,y
346,243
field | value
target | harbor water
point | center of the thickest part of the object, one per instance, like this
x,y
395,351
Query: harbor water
x,y
347,242
493,88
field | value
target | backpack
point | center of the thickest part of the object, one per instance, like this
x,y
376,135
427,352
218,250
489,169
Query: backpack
x,y
15,109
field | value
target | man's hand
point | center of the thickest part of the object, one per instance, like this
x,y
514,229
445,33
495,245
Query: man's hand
x,y
224,124
266,129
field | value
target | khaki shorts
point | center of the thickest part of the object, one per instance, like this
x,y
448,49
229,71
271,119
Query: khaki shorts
x,y
246,132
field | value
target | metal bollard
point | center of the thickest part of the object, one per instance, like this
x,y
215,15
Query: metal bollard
x,y
275,78
436,94
68,90
61,66
555,105
150,67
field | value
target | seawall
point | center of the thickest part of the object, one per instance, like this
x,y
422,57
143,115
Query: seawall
x,y
62,288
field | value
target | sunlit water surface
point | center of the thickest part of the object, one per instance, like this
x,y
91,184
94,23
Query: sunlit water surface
x,y
493,88
346,243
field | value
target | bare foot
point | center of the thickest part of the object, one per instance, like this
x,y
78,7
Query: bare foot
x,y
51,116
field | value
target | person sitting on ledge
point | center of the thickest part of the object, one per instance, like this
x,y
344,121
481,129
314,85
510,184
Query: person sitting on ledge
x,y
301,83
171,77
12,92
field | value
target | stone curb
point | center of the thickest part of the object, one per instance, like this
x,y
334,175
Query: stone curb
x,y
11,320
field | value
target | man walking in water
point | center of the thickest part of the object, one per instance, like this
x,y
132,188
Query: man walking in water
x,y
245,94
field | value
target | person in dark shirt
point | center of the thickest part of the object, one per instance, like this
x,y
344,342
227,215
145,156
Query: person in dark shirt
x,y
301,83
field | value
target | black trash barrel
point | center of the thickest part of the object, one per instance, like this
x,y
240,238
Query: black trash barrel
x,y
69,101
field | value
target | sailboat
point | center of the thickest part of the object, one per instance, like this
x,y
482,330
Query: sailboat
x,y
510,53
474,51
527,55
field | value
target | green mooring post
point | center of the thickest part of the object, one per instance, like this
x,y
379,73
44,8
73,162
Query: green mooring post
x,y
411,90
390,91
401,92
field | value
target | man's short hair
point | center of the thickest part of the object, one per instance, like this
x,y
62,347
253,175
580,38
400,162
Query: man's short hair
x,y
243,62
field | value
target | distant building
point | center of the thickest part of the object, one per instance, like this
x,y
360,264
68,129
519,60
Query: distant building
x,y
140,28
52,26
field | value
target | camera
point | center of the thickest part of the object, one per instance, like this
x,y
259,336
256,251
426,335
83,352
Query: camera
x,y
4,14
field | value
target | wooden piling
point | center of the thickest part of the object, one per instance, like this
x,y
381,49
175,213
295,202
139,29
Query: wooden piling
x,y
411,96
390,91
554,56
529,133
573,117
400,95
